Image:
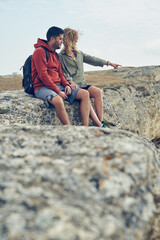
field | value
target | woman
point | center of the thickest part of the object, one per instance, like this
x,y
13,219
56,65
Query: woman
x,y
72,66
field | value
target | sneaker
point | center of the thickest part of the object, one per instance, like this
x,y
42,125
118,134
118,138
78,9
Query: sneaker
x,y
107,124
103,125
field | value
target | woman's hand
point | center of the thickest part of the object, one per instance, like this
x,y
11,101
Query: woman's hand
x,y
73,85
67,90
115,65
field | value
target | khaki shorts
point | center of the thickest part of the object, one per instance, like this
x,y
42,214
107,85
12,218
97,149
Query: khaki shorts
x,y
46,94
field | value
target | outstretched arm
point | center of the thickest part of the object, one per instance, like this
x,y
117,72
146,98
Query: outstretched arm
x,y
98,61
114,65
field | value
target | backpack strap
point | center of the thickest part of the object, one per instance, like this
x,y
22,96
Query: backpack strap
x,y
57,55
46,51
47,55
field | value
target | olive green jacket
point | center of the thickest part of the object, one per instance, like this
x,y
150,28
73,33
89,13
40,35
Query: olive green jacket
x,y
73,68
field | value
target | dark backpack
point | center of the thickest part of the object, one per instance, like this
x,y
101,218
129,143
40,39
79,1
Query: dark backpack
x,y
27,81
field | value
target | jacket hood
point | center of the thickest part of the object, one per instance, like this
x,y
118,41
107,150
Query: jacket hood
x,y
42,43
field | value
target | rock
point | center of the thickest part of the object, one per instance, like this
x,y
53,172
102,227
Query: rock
x,y
60,182
133,94
131,103
76,183
136,106
26,109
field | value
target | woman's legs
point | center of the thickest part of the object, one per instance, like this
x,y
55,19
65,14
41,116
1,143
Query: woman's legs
x,y
86,108
98,101
94,117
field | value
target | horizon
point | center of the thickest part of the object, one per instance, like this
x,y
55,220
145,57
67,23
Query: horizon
x,y
16,74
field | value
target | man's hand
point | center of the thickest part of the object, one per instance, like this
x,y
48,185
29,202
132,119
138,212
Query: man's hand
x,y
67,90
62,95
73,85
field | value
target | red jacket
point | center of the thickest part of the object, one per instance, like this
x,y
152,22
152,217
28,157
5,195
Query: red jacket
x,y
48,73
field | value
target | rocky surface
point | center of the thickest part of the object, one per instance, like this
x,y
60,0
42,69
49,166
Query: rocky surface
x,y
83,183
76,183
19,107
131,102
134,97
137,107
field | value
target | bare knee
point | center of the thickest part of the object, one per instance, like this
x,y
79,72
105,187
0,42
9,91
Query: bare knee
x,y
83,94
86,94
57,102
98,92
95,93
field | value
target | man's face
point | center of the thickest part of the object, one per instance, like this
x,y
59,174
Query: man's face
x,y
56,43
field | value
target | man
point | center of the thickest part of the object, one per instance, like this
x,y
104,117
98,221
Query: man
x,y
49,81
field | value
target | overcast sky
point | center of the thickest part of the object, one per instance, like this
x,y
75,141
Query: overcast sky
x,y
122,31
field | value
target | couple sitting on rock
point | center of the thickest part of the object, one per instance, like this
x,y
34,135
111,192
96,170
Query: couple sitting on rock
x,y
61,77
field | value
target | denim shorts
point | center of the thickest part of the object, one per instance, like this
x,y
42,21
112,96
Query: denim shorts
x,y
46,94
86,88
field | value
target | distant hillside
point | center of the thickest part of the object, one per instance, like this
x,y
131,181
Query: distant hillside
x,y
10,82
96,78
101,78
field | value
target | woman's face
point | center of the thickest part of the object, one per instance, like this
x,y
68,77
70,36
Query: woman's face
x,y
75,41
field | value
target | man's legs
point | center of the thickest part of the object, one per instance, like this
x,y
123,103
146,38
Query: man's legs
x,y
85,105
98,101
57,101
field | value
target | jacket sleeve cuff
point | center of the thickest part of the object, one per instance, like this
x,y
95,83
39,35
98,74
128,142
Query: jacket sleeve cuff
x,y
67,84
103,62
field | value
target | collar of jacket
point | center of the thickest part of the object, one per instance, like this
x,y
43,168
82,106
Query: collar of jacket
x,y
63,52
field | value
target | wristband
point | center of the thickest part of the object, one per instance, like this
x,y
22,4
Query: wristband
x,y
68,85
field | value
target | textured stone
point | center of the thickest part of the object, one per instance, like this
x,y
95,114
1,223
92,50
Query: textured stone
x,y
76,183
136,106
81,183
132,103
22,108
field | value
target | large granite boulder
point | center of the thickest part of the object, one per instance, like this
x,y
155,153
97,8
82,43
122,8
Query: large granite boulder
x,y
76,183
83,183
133,94
136,105
131,102
19,107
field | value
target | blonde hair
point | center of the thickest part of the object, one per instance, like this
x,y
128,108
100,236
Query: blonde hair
x,y
70,36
